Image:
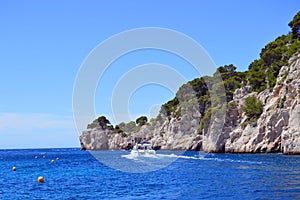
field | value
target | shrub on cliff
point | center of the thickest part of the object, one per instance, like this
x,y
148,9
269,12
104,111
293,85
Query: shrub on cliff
x,y
253,108
127,127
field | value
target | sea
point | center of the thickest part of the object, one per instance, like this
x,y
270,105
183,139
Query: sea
x,y
75,174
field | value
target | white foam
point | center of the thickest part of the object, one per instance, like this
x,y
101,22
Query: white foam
x,y
157,156
174,156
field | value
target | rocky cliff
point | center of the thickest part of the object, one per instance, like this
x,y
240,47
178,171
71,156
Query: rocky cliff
x,y
164,133
276,130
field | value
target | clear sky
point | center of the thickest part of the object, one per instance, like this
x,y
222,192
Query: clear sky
x,y
44,43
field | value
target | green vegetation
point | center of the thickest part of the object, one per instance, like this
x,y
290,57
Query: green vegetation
x,y
177,113
253,108
232,80
281,105
94,124
206,118
118,129
169,107
261,75
104,123
263,72
101,122
199,89
212,112
295,25
127,127
141,120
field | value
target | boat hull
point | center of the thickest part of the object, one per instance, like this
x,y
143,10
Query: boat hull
x,y
142,152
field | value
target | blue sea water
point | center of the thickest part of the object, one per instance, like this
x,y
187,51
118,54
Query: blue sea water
x,y
190,175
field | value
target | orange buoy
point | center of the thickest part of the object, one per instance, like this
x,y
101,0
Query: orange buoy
x,y
14,168
40,179
52,161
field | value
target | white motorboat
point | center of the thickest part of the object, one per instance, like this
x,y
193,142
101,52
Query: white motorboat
x,y
142,149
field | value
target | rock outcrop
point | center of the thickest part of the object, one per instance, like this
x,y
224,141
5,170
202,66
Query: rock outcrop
x,y
104,139
178,133
276,130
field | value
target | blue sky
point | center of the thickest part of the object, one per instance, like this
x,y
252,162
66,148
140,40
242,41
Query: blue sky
x,y
44,43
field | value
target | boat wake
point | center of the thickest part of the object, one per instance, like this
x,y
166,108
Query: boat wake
x,y
204,157
158,156
135,157
231,160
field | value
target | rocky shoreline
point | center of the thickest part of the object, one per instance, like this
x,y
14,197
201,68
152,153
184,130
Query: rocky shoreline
x,y
276,130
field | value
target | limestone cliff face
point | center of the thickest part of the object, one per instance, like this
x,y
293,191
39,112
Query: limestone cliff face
x,y
99,139
94,139
277,129
177,133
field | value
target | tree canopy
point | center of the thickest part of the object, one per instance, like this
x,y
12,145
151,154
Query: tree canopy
x,y
141,120
295,25
103,122
263,72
